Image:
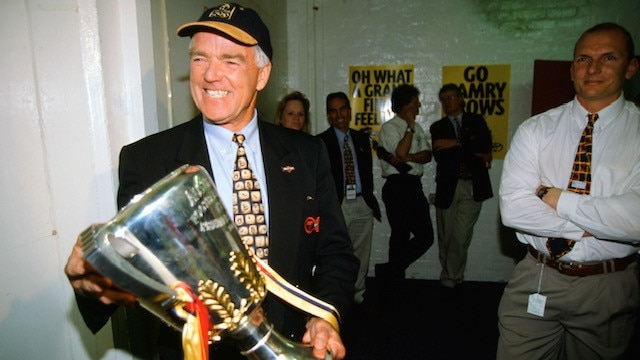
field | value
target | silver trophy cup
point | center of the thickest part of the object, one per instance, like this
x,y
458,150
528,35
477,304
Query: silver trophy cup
x,y
175,248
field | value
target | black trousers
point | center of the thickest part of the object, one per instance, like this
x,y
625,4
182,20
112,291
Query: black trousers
x,y
408,215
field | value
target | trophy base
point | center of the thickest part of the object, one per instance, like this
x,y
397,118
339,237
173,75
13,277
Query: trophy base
x,y
257,340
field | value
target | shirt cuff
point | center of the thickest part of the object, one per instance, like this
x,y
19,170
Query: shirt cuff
x,y
568,202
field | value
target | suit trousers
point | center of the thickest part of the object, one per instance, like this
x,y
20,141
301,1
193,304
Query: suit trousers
x,y
590,317
455,230
359,218
408,214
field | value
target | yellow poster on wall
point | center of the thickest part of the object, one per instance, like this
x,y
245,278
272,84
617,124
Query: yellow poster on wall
x,y
370,90
486,91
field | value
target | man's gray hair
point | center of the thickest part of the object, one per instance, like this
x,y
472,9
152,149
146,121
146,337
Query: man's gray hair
x,y
261,58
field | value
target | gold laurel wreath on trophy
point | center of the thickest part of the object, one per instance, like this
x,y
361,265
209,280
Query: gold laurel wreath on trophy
x,y
217,300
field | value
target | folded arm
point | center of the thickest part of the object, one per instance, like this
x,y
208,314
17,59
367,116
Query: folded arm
x,y
562,213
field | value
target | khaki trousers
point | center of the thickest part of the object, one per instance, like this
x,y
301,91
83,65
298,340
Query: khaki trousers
x,y
591,317
455,230
359,218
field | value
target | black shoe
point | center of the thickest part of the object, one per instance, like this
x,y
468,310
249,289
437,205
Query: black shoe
x,y
387,271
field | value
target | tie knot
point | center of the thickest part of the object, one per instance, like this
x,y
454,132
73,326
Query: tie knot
x,y
238,139
346,138
593,118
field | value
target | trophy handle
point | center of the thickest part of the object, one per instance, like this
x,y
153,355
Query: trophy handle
x,y
259,341
110,253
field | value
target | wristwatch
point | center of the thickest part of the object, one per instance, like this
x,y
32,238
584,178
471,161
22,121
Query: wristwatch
x,y
410,130
542,192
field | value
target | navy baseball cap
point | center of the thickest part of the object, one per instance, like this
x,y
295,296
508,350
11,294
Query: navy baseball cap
x,y
238,23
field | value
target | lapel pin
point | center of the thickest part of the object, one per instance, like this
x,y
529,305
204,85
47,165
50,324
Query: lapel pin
x,y
288,169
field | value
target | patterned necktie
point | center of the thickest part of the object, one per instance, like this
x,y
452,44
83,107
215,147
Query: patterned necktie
x,y
580,182
458,128
463,170
349,168
248,209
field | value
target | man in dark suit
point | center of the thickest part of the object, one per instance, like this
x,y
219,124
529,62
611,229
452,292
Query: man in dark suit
x,y
359,204
230,58
462,148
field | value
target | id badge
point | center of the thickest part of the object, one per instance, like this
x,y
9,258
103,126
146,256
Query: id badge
x,y
351,192
536,304
537,301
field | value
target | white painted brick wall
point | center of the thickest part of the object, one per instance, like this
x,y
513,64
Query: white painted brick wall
x,y
429,35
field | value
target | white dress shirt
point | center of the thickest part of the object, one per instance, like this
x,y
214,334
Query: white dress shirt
x,y
391,133
542,153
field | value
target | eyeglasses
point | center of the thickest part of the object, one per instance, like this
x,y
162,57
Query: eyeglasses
x,y
448,98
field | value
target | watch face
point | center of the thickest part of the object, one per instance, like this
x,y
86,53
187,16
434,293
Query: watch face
x,y
542,192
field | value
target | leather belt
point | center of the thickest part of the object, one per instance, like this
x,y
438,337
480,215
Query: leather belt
x,y
587,268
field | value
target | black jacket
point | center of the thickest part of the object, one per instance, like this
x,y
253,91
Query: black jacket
x,y
365,165
475,138
299,187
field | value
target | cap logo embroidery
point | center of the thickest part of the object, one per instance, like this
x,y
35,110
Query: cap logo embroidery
x,y
224,11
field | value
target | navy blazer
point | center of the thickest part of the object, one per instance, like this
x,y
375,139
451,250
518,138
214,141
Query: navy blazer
x,y
299,187
365,165
475,138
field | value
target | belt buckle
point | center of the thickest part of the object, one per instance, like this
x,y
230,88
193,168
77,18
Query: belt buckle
x,y
567,267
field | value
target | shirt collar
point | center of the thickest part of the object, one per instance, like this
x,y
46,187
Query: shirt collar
x,y
339,133
455,117
223,138
605,115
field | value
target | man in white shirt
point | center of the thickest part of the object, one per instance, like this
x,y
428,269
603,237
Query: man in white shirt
x,y
582,302
407,207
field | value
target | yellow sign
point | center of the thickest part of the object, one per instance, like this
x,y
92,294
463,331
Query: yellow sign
x,y
486,91
370,90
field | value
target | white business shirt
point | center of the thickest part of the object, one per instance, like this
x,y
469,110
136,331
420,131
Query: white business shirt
x,y
542,152
391,133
